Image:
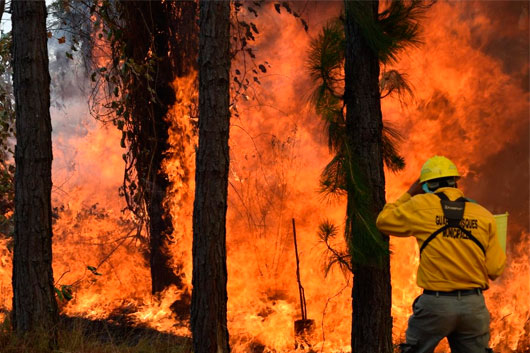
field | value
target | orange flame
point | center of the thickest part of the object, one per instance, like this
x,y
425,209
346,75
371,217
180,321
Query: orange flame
x,y
469,105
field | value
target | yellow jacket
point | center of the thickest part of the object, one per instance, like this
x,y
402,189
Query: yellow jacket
x,y
449,262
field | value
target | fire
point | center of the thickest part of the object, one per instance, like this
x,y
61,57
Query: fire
x,y
6,290
90,230
470,109
510,317
469,105
179,165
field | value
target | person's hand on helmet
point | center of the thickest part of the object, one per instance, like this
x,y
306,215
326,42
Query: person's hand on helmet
x,y
415,188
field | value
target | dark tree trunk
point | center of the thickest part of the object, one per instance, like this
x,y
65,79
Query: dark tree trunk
x,y
34,305
209,296
167,29
372,321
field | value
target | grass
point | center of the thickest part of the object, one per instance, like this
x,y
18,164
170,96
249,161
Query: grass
x,y
77,335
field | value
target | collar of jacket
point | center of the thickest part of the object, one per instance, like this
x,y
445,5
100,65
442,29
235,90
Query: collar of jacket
x,y
452,193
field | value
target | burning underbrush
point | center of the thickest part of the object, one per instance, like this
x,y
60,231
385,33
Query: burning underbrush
x,y
113,262
469,104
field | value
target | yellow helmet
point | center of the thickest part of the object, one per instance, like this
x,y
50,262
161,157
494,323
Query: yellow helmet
x,y
438,167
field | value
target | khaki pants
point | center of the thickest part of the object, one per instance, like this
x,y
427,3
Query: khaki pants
x,y
463,320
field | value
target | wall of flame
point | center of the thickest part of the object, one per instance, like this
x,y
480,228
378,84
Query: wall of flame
x,y
470,81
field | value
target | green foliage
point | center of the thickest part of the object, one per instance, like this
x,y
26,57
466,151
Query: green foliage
x,y
327,232
392,30
285,5
64,293
326,66
93,270
326,57
247,69
333,177
370,246
98,26
7,135
341,177
7,196
391,157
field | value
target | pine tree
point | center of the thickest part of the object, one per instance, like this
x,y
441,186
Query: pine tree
x,y
345,63
209,296
34,304
371,322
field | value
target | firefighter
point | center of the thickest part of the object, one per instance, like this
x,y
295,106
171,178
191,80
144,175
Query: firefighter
x,y
459,252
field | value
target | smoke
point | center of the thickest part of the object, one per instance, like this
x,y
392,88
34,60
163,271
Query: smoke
x,y
470,82
500,31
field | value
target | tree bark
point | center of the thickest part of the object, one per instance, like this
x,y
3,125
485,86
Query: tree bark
x,y
34,304
168,30
371,294
209,296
